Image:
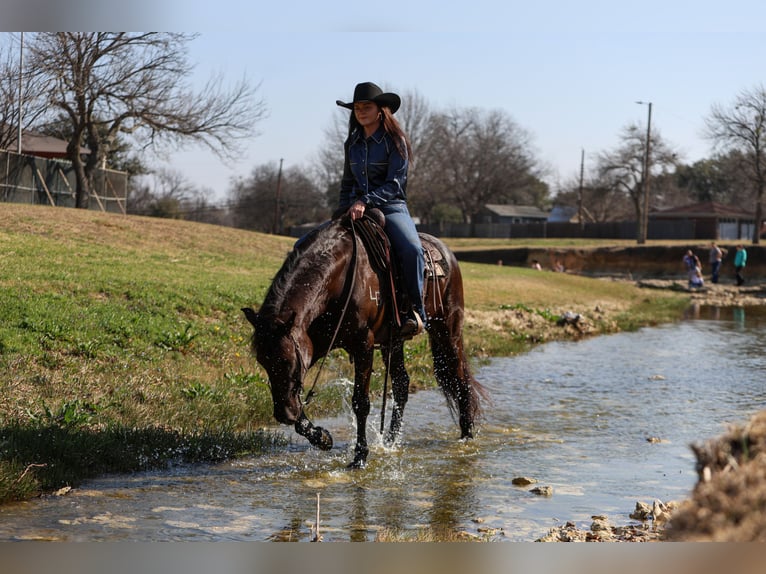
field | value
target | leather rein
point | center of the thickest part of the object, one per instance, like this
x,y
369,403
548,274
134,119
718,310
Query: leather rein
x,y
350,281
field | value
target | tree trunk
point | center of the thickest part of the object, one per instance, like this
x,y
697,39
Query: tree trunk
x,y
758,216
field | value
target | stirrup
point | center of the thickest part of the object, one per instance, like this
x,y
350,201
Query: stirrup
x,y
412,326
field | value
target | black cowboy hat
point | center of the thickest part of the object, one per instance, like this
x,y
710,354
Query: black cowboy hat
x,y
369,92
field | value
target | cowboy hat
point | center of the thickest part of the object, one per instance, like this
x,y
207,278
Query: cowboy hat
x,y
369,92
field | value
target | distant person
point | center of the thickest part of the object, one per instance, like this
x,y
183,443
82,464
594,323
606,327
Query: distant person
x,y
693,268
558,266
740,260
696,281
536,265
716,256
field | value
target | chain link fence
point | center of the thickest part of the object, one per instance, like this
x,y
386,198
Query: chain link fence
x,y
30,179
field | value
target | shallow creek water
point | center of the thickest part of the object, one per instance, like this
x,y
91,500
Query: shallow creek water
x,y
573,416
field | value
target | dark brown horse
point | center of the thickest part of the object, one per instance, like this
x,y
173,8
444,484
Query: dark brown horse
x,y
329,295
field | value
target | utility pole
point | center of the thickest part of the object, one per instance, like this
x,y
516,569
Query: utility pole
x,y
579,200
643,233
21,91
277,226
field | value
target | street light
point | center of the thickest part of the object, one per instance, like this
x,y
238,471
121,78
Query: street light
x,y
643,231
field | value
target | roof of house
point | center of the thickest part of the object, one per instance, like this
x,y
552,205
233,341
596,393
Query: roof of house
x,y
562,214
704,210
40,145
526,211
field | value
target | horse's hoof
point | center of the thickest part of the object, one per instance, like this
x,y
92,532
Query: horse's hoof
x,y
324,440
357,464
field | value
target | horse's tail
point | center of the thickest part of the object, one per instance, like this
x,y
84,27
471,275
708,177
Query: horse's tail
x,y
465,395
463,392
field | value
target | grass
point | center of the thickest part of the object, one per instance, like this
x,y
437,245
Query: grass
x,y
123,347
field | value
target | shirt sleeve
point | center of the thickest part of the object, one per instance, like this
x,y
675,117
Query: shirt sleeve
x,y
395,184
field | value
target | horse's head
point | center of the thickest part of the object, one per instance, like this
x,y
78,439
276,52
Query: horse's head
x,y
277,350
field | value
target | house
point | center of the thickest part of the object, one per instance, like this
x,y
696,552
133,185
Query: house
x,y
710,220
39,145
563,214
49,147
502,213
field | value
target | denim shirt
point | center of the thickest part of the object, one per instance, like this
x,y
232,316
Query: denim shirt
x,y
374,170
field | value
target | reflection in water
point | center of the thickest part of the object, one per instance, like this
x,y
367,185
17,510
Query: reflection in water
x,y
573,416
454,493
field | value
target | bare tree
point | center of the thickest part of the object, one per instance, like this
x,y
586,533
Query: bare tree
x,y
135,84
622,169
742,127
601,201
473,158
253,199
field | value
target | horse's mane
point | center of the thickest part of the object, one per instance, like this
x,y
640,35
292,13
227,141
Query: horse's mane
x,y
302,275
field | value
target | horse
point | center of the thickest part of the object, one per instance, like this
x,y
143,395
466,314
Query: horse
x,y
332,293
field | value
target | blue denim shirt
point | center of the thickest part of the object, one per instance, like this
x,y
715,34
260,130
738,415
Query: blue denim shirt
x,y
374,171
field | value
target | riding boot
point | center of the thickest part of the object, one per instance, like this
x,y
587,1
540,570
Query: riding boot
x,y
412,326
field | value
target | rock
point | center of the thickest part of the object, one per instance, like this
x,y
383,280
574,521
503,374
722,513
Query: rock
x,y
523,481
542,491
642,512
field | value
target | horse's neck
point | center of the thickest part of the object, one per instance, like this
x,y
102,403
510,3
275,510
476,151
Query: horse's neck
x,y
305,289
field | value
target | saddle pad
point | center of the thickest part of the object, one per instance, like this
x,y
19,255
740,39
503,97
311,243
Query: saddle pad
x,y
436,264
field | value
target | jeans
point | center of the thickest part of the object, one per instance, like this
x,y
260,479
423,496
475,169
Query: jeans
x,y
407,250
738,273
715,268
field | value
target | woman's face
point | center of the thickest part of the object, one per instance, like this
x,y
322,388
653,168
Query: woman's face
x,y
367,114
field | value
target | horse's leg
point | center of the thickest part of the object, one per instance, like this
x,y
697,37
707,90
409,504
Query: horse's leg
x,y
400,386
452,372
360,403
317,436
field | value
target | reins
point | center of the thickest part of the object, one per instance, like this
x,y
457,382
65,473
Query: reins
x,y
350,291
351,282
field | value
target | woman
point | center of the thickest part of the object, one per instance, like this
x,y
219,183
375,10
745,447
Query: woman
x,y
377,154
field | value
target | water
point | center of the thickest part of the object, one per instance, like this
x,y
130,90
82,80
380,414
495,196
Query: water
x,y
573,416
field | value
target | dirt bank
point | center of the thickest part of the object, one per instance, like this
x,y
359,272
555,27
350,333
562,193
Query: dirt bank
x,y
636,262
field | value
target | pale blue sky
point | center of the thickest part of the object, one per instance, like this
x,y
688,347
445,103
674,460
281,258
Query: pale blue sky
x,y
567,72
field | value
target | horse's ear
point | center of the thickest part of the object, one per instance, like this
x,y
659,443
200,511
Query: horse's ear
x,y
250,315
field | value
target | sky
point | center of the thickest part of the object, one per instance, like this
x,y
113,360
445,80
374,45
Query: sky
x,y
569,73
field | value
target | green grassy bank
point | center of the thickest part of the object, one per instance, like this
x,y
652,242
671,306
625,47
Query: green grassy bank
x,y
123,347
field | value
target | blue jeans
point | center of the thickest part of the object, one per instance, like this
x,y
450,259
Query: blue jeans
x,y
407,250
715,268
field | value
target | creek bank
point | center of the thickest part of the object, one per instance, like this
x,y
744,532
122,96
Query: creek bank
x,y
634,262
750,294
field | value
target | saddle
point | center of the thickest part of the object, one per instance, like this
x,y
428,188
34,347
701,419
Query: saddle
x,y
378,247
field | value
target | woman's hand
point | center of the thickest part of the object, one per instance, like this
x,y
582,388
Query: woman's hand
x,y
356,211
